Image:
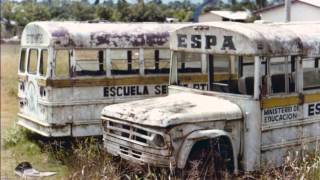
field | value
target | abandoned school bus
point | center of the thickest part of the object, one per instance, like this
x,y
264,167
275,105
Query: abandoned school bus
x,y
268,106
69,71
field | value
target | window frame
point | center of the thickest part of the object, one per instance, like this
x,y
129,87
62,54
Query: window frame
x,y
25,60
156,60
28,61
73,59
289,66
48,62
315,66
129,62
54,61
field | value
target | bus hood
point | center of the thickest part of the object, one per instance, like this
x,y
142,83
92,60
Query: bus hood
x,y
174,109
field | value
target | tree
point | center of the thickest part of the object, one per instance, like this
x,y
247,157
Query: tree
x,y
82,12
104,12
28,12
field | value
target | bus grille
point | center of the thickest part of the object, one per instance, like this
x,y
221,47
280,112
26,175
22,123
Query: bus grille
x,y
128,132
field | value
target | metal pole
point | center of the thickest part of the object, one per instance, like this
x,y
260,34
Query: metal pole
x,y
288,10
257,78
210,72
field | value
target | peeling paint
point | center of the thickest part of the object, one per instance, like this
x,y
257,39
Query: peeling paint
x,y
103,35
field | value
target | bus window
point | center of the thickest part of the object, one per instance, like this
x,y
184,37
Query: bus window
x,y
221,63
90,62
124,61
156,61
246,74
311,73
282,74
22,64
62,59
164,60
43,62
32,61
189,62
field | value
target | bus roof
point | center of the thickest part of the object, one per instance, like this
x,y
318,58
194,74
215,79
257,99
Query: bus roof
x,y
273,39
96,35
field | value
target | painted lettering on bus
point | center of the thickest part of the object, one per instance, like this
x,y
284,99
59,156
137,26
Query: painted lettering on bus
x,y
125,91
210,41
144,90
313,109
279,114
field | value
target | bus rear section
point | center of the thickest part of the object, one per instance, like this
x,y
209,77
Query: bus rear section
x,y
69,71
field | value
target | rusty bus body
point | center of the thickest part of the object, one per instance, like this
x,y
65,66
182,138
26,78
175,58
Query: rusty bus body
x,y
268,106
69,71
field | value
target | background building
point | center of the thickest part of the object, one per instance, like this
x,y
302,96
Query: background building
x,y
301,10
237,16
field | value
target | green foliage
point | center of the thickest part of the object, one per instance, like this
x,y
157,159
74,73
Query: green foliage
x,y
81,11
14,136
104,12
28,12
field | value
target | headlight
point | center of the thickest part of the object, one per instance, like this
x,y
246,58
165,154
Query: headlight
x,y
157,140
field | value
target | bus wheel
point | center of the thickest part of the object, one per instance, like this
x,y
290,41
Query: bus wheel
x,y
205,162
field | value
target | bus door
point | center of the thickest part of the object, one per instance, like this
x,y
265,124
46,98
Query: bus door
x,y
281,108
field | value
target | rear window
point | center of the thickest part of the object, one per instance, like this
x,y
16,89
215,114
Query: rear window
x,y
22,65
32,61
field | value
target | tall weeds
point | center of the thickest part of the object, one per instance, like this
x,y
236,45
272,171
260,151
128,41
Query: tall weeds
x,y
86,159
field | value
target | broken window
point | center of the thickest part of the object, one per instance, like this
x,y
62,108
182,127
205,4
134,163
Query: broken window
x,y
282,74
156,61
125,61
89,62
